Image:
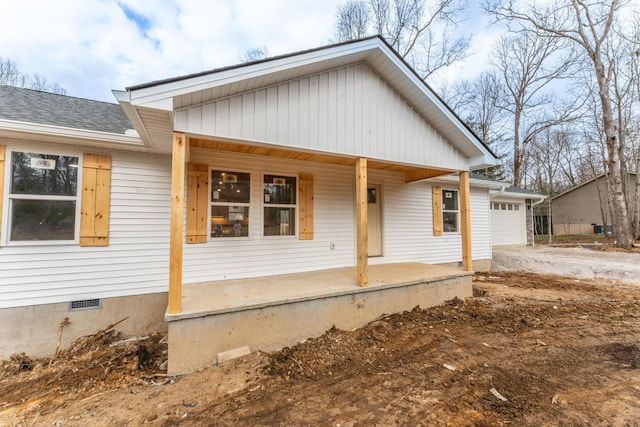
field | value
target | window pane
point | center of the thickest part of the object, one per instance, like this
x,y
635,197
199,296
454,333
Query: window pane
x,y
279,221
450,200
450,222
279,190
42,220
33,173
229,221
230,187
371,195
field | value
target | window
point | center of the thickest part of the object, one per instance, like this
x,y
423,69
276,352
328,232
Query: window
x,y
279,205
43,197
230,199
450,211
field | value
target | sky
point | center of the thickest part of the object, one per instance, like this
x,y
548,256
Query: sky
x,y
90,47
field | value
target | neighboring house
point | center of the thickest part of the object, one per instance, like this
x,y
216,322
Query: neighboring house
x,y
260,204
583,209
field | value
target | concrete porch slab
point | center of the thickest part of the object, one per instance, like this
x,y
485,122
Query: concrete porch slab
x,y
272,312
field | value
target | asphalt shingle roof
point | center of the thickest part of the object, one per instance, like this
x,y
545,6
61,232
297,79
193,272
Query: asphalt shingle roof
x,y
33,106
509,188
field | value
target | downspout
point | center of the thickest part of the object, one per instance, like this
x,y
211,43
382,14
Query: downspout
x,y
533,225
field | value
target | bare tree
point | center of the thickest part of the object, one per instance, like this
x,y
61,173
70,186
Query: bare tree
x,y
480,103
10,75
254,54
547,148
528,65
588,26
419,30
353,20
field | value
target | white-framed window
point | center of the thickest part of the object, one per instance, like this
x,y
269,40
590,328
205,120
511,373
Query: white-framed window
x,y
230,203
279,205
449,211
43,202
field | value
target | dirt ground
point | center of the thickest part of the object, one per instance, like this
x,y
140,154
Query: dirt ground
x,y
526,350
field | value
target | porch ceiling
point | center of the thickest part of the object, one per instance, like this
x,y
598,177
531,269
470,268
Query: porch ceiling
x,y
412,173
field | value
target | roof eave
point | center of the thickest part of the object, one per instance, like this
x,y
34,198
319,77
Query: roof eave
x,y
11,128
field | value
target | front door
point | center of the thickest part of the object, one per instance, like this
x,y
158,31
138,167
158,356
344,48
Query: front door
x,y
374,219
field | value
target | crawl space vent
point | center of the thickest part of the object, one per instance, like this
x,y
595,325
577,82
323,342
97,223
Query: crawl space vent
x,y
85,304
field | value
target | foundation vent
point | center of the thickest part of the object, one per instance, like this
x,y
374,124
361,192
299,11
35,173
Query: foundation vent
x,y
85,304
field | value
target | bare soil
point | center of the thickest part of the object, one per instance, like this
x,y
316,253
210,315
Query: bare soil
x,y
526,350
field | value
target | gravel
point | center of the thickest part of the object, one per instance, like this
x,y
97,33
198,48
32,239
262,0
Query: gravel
x,y
577,262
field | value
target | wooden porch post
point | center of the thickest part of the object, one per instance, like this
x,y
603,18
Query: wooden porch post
x,y
178,162
362,239
465,222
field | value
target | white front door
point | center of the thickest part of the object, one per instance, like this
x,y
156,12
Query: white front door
x,y
374,219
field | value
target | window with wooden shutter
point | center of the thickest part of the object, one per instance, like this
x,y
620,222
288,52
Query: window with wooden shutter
x,y
305,203
197,203
3,150
436,199
95,200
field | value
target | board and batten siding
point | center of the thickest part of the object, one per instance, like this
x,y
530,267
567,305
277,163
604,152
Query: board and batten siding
x,y
135,261
406,215
349,111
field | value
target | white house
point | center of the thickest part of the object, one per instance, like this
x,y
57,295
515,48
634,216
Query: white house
x,y
258,204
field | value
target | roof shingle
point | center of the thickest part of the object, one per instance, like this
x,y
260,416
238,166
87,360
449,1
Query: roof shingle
x,y
33,106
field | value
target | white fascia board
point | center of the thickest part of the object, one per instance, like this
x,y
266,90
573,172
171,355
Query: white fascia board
x,y
473,182
161,96
515,195
124,100
486,160
68,133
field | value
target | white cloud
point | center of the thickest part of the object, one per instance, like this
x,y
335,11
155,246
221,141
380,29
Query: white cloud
x,y
90,47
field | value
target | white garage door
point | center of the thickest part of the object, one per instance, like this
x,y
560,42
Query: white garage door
x,y
508,226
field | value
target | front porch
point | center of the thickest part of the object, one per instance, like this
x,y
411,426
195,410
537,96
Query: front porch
x,y
268,313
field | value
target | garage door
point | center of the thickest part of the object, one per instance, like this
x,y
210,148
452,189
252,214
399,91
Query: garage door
x,y
508,226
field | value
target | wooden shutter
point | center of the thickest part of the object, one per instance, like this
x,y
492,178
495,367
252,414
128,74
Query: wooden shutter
x,y
436,198
2,162
305,203
95,198
197,202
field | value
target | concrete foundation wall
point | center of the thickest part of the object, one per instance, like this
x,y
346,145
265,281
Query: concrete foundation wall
x,y
196,342
34,329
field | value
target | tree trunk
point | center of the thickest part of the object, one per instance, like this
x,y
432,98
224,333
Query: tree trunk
x,y
517,149
636,200
622,231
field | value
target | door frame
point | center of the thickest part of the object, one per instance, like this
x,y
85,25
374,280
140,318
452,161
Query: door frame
x,y
378,205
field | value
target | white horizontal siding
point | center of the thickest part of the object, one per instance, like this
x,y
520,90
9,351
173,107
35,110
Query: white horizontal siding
x,y
136,260
407,224
348,111
257,256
